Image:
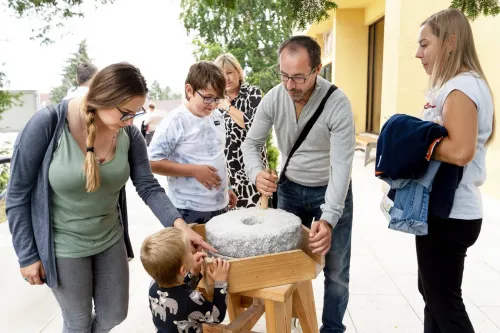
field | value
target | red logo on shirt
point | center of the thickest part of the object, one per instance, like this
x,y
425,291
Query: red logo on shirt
x,y
429,106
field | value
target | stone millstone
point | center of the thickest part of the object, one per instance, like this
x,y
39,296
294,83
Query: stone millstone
x,y
249,232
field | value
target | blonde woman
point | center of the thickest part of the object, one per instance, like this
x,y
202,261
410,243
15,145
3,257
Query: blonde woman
x,y
238,109
66,198
459,99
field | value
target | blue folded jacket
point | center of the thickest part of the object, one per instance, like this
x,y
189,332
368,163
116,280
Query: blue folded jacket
x,y
404,146
419,186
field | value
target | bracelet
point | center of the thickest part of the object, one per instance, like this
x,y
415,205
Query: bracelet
x,y
230,188
228,108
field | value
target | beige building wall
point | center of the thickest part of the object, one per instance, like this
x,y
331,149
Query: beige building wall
x,y
349,56
351,60
374,11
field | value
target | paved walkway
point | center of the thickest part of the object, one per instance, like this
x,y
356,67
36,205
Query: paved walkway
x,y
384,296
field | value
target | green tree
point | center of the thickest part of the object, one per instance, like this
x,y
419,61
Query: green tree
x,y
474,8
305,12
251,30
52,13
159,93
272,152
299,12
4,168
7,99
69,73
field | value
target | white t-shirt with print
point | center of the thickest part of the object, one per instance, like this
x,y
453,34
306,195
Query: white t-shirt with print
x,y
185,138
467,204
76,92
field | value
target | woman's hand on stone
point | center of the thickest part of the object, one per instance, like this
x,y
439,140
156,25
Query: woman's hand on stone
x,y
219,270
207,176
320,237
266,183
194,237
34,273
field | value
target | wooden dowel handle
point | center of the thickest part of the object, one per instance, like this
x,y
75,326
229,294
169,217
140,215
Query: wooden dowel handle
x,y
264,202
264,199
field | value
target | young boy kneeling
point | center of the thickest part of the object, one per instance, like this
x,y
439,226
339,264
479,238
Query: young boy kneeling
x,y
170,259
188,148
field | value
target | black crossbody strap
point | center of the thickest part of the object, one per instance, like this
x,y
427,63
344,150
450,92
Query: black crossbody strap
x,y
307,128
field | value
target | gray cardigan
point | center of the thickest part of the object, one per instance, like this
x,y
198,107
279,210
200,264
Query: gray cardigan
x,y
28,193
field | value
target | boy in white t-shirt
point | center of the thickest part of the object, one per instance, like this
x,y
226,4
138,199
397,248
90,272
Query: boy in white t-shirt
x,y
188,148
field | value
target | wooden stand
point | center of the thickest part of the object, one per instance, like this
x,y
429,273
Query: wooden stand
x,y
278,284
280,304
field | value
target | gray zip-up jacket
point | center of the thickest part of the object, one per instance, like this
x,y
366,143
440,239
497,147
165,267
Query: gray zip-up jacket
x,y
28,192
324,158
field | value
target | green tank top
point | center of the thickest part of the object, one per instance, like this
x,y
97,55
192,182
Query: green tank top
x,y
85,223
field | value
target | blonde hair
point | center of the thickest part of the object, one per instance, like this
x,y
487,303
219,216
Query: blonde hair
x,y
113,86
227,59
163,254
444,24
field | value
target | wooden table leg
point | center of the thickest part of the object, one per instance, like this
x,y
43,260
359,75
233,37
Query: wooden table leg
x,y
278,316
304,308
234,307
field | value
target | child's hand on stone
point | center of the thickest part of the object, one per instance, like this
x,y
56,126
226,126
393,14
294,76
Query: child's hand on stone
x,y
198,260
220,270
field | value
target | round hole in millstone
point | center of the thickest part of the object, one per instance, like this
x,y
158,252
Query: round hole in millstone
x,y
252,220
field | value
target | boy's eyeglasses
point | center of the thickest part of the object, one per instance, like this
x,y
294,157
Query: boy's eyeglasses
x,y
209,100
296,79
130,114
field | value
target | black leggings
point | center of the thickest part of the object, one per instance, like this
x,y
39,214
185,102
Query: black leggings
x,y
441,255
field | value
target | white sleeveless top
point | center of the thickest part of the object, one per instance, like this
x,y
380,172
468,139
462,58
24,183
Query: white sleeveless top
x,y
468,203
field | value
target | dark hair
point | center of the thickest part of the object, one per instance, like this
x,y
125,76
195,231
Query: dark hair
x,y
312,47
113,86
152,105
85,72
205,73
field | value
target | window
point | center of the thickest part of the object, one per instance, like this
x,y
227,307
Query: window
x,y
327,43
326,72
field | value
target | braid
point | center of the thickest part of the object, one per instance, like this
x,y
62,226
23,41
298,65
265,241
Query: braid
x,y
90,168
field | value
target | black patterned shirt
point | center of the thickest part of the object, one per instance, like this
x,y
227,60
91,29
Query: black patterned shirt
x,y
183,309
246,101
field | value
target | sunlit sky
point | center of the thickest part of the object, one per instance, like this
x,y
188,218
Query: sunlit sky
x,y
146,33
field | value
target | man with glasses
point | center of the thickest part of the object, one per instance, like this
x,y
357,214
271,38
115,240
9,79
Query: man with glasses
x,y
188,148
316,185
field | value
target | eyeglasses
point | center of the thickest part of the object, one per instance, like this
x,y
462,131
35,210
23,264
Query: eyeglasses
x,y
296,79
131,114
209,100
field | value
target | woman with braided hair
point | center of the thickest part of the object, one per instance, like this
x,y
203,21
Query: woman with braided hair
x,y
66,201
